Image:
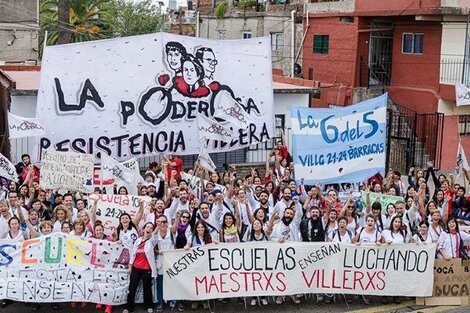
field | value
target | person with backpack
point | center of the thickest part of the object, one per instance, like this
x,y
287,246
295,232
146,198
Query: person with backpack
x,y
395,234
341,234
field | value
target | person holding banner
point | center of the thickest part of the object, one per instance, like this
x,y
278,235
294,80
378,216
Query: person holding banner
x,y
45,229
98,233
127,232
142,268
201,237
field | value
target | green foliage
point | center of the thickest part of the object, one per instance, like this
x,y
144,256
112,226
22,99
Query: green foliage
x,y
99,19
221,9
245,4
89,20
135,17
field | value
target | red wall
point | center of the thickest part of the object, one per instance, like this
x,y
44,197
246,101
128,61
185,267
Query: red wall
x,y
415,77
339,64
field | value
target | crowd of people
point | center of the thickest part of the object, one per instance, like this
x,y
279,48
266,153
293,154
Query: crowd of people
x,y
229,208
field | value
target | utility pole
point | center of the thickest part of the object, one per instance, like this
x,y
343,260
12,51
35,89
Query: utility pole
x,y
63,21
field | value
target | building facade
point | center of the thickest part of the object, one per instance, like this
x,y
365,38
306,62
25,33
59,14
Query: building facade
x,y
414,50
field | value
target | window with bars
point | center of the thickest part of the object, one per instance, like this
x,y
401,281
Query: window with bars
x,y
321,44
464,125
412,43
247,35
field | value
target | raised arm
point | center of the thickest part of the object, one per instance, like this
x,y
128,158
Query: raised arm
x,y
140,213
93,211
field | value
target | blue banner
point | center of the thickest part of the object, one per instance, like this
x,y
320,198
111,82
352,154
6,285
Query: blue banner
x,y
340,144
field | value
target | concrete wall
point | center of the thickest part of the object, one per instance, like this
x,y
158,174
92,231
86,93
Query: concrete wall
x,y
260,25
20,19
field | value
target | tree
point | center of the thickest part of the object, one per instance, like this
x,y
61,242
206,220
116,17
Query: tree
x,y
98,19
135,18
88,20
63,18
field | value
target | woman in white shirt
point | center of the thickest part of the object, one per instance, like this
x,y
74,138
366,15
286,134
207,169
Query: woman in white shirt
x,y
451,241
369,233
395,233
423,236
15,232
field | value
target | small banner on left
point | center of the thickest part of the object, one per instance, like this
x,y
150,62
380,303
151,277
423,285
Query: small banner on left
x,y
64,268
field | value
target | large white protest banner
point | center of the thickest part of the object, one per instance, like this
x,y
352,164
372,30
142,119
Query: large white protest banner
x,y
110,207
66,170
255,269
169,80
7,169
64,268
340,145
19,127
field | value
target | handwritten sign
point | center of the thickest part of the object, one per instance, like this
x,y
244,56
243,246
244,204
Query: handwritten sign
x,y
341,144
66,170
63,268
256,269
110,207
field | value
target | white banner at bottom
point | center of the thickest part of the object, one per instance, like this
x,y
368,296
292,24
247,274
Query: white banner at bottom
x,y
256,269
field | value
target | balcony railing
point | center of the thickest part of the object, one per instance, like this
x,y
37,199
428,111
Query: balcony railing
x,y
455,70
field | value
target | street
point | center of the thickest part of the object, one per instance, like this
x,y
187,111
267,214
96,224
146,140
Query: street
x,y
307,305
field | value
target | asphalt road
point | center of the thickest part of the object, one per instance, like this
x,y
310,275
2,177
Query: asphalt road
x,y
307,305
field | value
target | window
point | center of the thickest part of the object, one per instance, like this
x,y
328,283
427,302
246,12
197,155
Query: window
x,y
321,44
246,35
221,35
276,41
412,43
464,125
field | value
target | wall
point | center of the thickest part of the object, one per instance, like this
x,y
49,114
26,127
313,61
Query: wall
x,y
282,103
22,16
24,106
260,25
415,77
452,52
337,70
